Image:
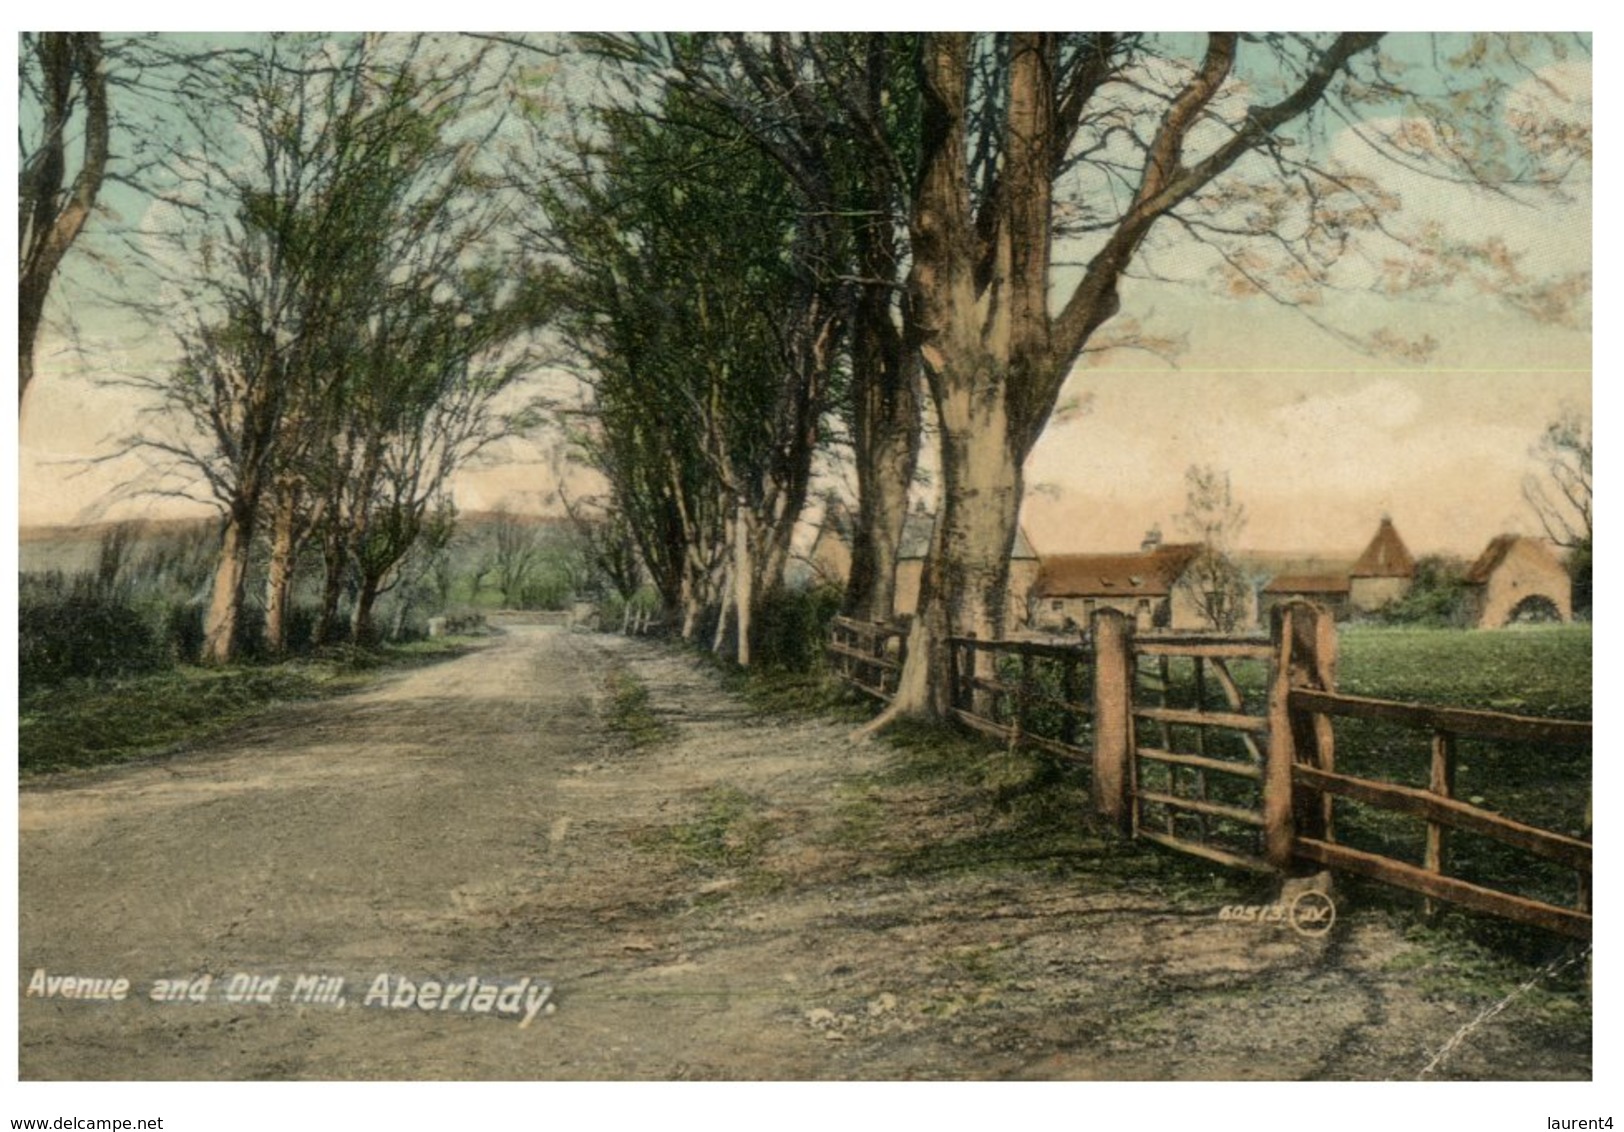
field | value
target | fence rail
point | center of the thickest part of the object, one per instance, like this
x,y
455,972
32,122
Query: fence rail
x,y
1239,769
1442,813
1196,768
1023,692
868,655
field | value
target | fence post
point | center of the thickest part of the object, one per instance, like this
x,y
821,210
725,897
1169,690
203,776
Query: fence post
x,y
899,633
1304,639
1440,781
1113,716
953,674
1583,900
1313,665
1282,749
1022,693
879,647
973,696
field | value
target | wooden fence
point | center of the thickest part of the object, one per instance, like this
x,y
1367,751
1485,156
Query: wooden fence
x,y
1039,699
868,655
1224,747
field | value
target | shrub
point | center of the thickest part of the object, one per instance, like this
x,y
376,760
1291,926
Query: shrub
x,y
81,635
792,628
183,632
1437,597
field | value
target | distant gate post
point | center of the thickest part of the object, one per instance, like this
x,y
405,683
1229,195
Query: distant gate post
x,y
1113,715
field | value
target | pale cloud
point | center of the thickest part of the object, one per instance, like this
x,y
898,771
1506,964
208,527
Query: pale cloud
x,y
1380,406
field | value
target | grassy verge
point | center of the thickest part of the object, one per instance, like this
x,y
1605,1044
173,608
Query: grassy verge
x,y
87,723
629,712
997,810
796,694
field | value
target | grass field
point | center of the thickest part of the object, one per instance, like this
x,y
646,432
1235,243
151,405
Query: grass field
x,y
1540,671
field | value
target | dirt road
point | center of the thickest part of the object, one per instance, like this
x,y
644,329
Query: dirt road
x,y
508,889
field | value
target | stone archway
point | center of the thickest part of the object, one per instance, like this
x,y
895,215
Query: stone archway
x,y
1534,609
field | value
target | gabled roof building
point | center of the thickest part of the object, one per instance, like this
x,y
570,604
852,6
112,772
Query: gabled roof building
x,y
1517,578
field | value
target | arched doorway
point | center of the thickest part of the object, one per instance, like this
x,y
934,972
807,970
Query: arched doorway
x,y
1534,609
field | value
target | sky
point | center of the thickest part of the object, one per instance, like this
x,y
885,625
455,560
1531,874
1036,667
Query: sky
x,y
1320,440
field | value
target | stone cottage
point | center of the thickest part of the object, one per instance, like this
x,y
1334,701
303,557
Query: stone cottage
x,y
1517,578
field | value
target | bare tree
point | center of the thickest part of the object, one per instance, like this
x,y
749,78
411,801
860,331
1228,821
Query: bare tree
x,y
1561,494
513,554
331,231
1214,583
64,80
838,113
709,352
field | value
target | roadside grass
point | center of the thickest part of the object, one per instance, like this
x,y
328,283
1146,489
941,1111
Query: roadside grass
x,y
997,810
1445,962
787,692
726,836
94,722
628,710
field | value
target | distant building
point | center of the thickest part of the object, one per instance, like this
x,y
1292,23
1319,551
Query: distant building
x,y
1330,590
1383,573
1518,579
830,558
1144,586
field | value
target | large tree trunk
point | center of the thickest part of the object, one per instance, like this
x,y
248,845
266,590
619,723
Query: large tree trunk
x,y
336,563
887,450
965,587
742,579
362,630
230,582
885,411
724,609
981,319
279,573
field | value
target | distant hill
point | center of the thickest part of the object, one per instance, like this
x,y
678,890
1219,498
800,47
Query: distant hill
x,y
73,547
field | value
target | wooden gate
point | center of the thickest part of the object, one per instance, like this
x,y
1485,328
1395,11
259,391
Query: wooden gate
x,y
1200,735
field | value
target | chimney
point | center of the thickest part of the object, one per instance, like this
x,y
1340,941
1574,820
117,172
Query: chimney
x,y
1153,539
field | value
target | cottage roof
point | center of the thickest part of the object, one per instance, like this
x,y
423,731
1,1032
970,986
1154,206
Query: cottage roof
x,y
1386,556
1149,573
1497,550
1308,584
